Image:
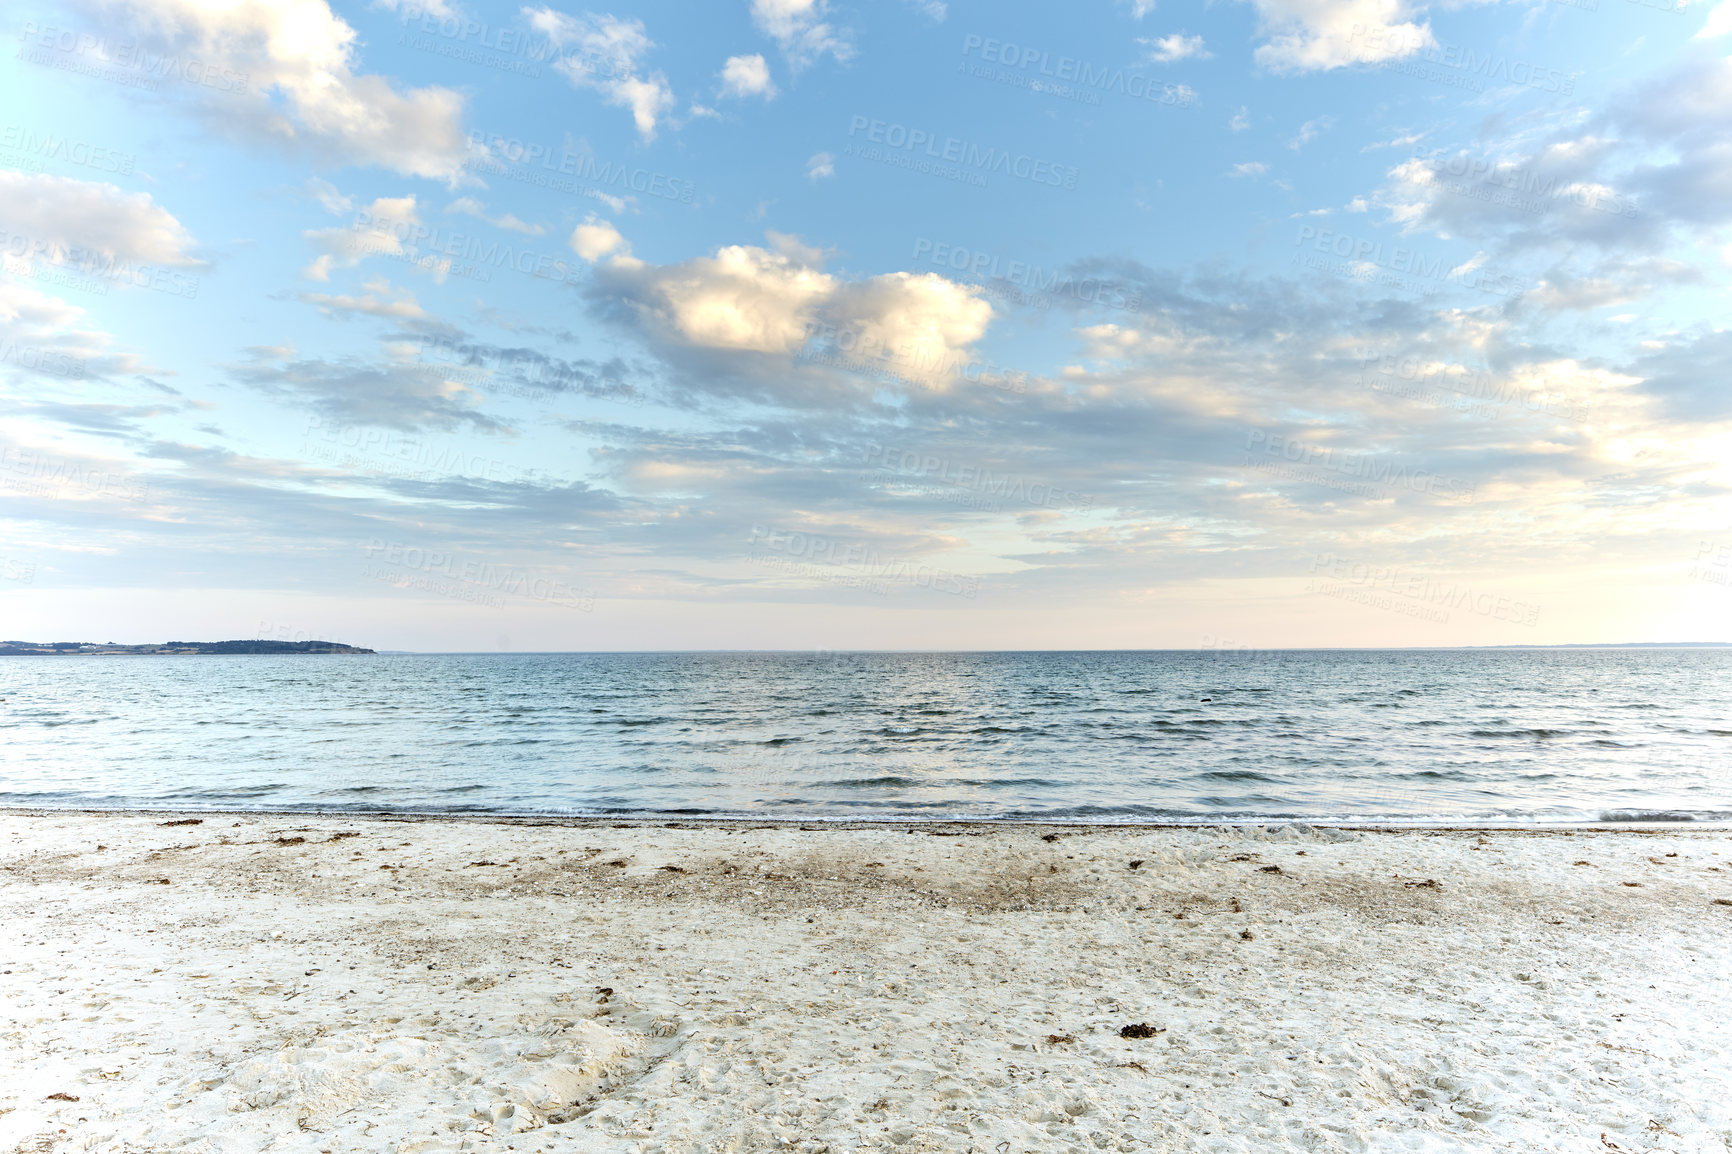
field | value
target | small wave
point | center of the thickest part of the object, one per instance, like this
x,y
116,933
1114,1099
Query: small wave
x,y
1642,815
1233,775
1534,733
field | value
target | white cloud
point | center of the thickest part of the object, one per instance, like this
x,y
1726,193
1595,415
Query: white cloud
x,y
820,165
380,229
469,206
58,220
1309,131
747,76
379,299
1178,46
302,51
933,10
1317,35
596,238
415,9
1241,120
1250,168
329,198
801,29
776,301
610,57
43,334
1719,21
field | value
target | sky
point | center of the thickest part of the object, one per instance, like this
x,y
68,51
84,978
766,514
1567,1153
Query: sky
x,y
923,324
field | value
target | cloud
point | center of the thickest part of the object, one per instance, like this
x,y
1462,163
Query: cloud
x,y
1309,131
86,224
801,30
820,165
747,76
1178,46
1318,35
378,230
47,337
933,10
609,60
771,305
1250,168
304,53
379,300
1241,120
1719,21
415,9
410,397
469,206
597,238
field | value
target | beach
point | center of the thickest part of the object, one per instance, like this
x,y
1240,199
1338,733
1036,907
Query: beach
x,y
244,982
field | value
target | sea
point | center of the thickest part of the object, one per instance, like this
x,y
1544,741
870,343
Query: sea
x,y
1429,737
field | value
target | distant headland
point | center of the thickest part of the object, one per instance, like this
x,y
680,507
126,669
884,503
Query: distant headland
x,y
170,648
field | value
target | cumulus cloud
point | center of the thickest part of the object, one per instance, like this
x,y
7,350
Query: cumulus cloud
x,y
802,30
609,60
87,224
820,165
1318,35
777,303
747,76
1249,168
595,238
1178,46
304,54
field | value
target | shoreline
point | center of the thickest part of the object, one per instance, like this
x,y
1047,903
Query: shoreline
x,y
681,820
308,983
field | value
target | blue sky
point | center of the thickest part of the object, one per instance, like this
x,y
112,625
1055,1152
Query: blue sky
x,y
789,324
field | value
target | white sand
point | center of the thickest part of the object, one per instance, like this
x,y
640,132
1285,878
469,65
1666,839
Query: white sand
x,y
856,989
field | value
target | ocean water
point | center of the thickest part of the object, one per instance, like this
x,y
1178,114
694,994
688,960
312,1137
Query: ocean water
x,y
1353,735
